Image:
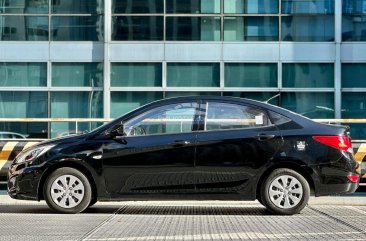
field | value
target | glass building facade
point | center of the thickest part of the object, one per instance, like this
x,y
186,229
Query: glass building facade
x,y
103,58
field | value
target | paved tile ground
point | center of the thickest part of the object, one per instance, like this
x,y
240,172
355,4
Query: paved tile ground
x,y
216,220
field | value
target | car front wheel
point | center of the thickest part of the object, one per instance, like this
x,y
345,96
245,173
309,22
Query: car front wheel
x,y
285,192
67,190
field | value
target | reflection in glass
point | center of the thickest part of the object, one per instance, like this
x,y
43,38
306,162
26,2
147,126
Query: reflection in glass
x,y
193,28
77,74
354,6
250,75
23,74
137,6
193,75
354,106
78,104
312,105
354,75
24,6
23,104
354,28
308,75
21,130
251,28
193,6
77,6
137,28
77,28
260,96
22,28
308,6
136,74
308,28
123,102
251,6
62,129
179,93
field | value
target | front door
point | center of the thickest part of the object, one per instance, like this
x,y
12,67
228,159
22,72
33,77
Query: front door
x,y
236,143
156,156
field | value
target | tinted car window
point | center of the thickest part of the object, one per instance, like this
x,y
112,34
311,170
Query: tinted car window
x,y
223,116
170,119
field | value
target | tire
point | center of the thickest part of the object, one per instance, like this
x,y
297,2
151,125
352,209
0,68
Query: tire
x,y
67,190
287,199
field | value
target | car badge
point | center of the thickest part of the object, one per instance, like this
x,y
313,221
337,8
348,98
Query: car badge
x,y
301,145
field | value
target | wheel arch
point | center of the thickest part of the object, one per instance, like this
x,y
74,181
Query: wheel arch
x,y
72,164
289,165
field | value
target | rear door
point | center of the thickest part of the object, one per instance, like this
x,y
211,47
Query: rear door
x,y
234,145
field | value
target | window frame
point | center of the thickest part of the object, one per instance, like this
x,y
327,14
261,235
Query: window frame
x,y
203,109
195,122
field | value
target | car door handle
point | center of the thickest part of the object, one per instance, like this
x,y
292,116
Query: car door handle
x,y
264,137
180,143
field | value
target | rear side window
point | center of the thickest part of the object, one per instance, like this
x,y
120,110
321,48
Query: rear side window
x,y
226,116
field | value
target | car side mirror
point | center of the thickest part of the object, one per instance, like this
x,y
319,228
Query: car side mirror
x,y
117,130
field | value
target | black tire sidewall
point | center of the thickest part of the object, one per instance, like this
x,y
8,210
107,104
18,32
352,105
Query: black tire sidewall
x,y
67,171
265,197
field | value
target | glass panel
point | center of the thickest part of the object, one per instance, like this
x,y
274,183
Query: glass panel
x,y
223,116
312,105
77,28
138,6
193,28
77,74
308,28
251,29
250,6
170,119
260,96
74,105
137,28
177,94
354,28
354,75
193,6
308,6
23,104
22,130
62,129
123,102
193,75
354,106
21,28
78,104
250,75
23,74
308,75
77,6
354,6
25,6
136,74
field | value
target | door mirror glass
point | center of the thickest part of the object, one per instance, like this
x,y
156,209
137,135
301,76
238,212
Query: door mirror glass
x,y
117,130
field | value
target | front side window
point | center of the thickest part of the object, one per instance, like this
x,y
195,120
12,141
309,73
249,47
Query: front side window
x,y
169,119
225,116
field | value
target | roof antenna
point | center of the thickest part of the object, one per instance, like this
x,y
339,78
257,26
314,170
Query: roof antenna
x,y
273,97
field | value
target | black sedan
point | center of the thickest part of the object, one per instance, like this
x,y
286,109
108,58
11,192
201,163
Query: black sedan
x,y
191,148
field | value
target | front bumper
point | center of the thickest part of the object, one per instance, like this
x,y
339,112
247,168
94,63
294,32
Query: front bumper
x,y
23,182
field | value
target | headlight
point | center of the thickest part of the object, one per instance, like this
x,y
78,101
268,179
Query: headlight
x,y
32,154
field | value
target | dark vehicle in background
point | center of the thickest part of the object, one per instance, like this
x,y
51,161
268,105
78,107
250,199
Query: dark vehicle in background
x,y
191,148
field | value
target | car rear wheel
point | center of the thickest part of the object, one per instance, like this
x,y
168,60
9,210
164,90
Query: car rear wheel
x,y
67,190
285,192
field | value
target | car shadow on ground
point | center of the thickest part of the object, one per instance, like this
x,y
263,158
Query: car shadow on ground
x,y
142,210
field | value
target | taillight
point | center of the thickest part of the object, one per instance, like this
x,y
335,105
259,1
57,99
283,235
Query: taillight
x,y
353,178
339,142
